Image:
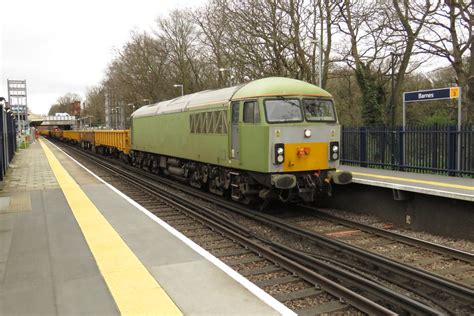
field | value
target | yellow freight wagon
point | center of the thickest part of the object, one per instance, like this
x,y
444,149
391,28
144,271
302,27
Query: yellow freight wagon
x,y
119,139
73,136
56,133
87,138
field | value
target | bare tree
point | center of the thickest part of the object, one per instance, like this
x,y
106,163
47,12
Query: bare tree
x,y
406,26
179,36
213,27
382,38
64,104
139,71
364,27
95,105
451,37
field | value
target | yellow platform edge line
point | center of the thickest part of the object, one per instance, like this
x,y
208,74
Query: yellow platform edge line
x,y
133,288
440,184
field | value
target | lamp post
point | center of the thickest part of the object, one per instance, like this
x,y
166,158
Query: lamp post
x,y
129,117
180,86
230,70
113,118
392,107
118,122
320,62
90,120
392,96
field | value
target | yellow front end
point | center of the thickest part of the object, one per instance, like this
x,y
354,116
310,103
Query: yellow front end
x,y
306,157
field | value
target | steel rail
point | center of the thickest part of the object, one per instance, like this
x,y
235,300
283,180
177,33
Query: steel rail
x,y
244,237
440,249
416,242
438,284
406,303
425,278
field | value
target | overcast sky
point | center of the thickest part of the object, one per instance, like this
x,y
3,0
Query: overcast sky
x,y
62,46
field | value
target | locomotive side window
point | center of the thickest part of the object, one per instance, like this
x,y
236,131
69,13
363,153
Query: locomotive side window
x,y
213,122
283,110
319,110
235,112
251,112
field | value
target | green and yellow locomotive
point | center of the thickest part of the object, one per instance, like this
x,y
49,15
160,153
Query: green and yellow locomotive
x,y
273,138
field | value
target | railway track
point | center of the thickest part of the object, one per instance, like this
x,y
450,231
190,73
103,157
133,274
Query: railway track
x,y
334,262
447,262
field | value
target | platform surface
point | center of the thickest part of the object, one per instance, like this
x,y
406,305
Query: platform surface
x,y
47,266
444,186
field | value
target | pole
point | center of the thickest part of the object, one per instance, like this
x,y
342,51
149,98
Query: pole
x,y
404,112
392,97
404,126
459,131
182,90
321,52
27,124
120,117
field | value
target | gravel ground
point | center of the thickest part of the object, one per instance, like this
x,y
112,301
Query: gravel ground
x,y
310,301
237,257
286,288
252,265
460,244
268,276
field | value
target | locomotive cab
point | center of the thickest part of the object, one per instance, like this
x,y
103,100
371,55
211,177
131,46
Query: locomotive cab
x,y
293,139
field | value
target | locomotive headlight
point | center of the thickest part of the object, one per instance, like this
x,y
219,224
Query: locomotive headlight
x,y
307,133
334,151
279,153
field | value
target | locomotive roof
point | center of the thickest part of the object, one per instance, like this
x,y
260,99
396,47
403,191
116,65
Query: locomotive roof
x,y
272,86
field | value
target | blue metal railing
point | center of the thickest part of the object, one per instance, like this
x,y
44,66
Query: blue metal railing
x,y
420,148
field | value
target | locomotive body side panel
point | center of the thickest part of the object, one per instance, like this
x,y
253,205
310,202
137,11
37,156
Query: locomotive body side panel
x,y
170,134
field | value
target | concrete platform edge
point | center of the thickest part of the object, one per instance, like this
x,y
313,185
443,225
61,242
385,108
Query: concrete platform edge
x,y
259,293
411,188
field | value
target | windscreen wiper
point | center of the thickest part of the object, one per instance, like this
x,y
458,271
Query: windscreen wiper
x,y
288,101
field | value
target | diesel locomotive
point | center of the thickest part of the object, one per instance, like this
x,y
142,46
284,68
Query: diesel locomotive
x,y
268,139
273,138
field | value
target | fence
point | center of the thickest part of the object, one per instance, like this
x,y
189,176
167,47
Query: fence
x,y
420,148
7,140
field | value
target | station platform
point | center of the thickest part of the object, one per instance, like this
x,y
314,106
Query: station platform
x,y
443,186
72,244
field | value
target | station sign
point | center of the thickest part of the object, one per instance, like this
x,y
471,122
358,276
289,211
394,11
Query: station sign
x,y
433,94
18,108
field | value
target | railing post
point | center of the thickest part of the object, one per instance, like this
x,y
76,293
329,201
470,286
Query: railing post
x,y
434,146
393,147
363,146
452,150
383,146
401,149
